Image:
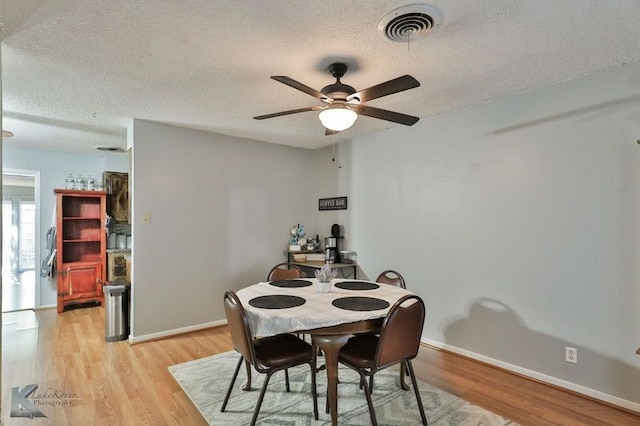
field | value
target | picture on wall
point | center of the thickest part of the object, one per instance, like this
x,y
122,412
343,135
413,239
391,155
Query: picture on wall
x,y
116,185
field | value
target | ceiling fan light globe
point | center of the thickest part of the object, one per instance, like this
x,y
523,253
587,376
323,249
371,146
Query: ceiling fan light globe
x,y
337,119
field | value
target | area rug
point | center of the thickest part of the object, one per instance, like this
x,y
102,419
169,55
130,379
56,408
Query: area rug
x,y
205,382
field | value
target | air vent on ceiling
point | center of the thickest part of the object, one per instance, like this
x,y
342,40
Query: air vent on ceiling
x,y
411,22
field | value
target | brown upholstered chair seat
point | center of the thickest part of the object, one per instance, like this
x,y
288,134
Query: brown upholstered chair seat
x,y
281,351
360,350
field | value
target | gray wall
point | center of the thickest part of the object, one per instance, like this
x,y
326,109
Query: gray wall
x,y
221,209
517,222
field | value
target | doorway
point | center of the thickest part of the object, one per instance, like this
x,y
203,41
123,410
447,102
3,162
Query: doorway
x,y
19,214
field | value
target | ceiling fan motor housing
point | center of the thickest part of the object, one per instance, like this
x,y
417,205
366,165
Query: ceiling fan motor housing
x,y
338,90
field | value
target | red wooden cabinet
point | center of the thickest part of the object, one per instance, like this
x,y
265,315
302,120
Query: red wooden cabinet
x,y
80,246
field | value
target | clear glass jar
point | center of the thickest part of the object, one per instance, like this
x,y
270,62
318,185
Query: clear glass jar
x,y
80,183
69,182
91,183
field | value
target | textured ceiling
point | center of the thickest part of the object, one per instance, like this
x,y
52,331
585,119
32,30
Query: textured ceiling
x,y
75,72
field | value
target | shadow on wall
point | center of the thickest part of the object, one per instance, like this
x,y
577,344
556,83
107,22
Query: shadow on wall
x,y
493,329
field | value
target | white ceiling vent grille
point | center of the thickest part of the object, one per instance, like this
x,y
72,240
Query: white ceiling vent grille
x,y
411,22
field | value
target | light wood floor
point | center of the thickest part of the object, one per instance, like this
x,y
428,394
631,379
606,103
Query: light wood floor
x,y
18,291
116,383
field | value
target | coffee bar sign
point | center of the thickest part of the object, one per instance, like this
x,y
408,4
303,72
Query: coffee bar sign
x,y
335,203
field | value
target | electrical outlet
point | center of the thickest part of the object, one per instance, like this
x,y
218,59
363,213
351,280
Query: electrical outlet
x,y
571,355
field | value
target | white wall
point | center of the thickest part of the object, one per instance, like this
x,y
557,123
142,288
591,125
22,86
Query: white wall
x,y
221,209
53,168
517,222
332,180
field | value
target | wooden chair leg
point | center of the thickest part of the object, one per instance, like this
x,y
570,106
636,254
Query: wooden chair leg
x,y
233,380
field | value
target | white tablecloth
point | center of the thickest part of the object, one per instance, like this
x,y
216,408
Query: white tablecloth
x,y
316,312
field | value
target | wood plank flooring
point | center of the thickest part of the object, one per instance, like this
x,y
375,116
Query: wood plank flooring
x,y
120,384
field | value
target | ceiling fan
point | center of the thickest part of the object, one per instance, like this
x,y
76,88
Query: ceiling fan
x,y
343,103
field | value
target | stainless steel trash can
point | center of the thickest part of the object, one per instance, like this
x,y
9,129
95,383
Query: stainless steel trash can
x,y
116,295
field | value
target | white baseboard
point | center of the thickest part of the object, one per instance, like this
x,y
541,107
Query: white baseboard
x,y
175,332
37,308
611,399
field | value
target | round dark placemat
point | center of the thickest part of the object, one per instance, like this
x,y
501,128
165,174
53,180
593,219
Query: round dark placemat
x,y
360,303
290,283
357,285
277,301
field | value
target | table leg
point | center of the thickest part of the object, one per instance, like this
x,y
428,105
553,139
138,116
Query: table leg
x,y
331,345
247,386
403,374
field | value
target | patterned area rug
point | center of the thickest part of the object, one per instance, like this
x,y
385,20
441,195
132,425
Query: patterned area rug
x,y
205,382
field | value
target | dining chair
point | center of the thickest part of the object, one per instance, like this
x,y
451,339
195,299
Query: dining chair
x,y
267,355
398,342
391,277
284,271
394,278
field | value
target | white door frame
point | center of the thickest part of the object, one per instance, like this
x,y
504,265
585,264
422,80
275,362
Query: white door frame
x,y
38,249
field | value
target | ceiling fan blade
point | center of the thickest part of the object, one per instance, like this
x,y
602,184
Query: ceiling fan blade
x,y
383,114
390,87
291,111
302,87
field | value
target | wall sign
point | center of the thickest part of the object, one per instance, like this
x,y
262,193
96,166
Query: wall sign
x,y
335,203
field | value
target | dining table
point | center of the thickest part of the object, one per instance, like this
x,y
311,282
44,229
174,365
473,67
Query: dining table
x,y
331,318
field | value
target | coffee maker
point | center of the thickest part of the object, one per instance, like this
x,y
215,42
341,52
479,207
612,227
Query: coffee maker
x,y
331,245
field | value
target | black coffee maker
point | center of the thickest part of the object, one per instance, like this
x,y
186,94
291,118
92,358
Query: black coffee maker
x,y
331,245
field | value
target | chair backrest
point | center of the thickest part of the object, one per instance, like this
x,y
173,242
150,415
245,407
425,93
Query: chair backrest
x,y
391,277
284,271
401,331
238,326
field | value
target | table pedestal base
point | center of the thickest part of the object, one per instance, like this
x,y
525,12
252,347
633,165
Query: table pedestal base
x,y
330,345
